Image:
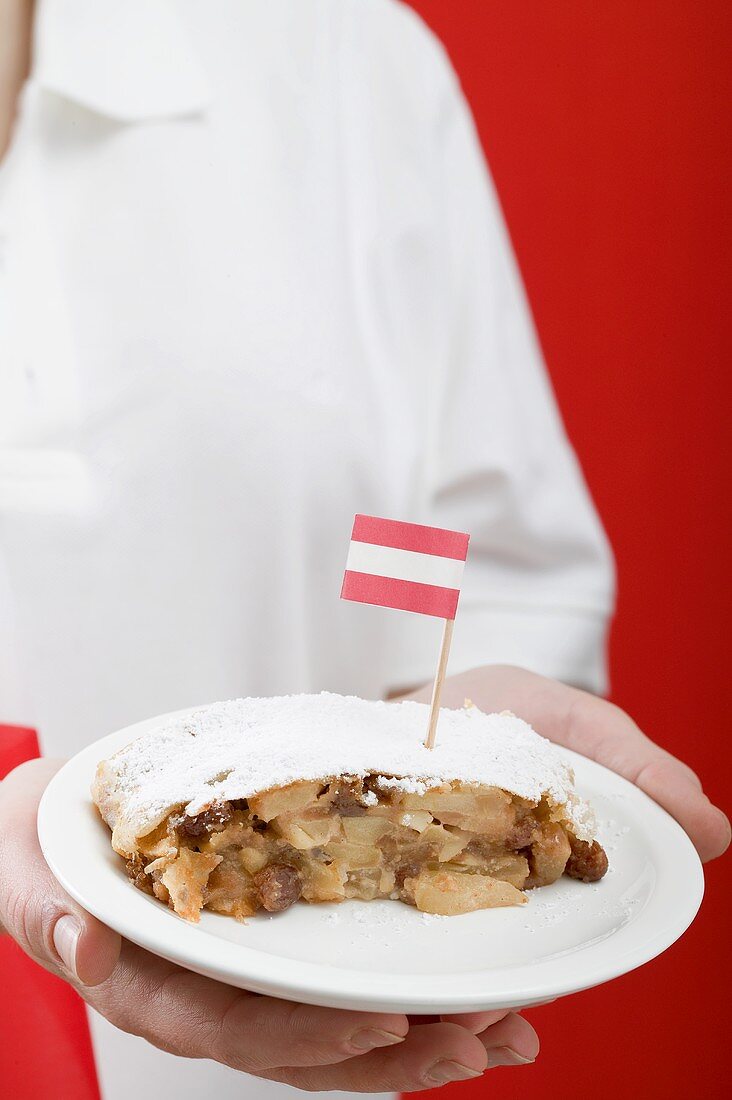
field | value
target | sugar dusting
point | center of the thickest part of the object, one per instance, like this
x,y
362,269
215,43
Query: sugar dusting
x,y
239,748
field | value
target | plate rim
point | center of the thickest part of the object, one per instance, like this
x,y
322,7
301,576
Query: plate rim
x,y
340,987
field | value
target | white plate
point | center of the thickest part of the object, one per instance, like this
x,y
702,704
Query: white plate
x,y
384,955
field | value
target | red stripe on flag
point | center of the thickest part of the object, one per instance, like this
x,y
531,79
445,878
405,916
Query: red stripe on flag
x,y
423,599
411,536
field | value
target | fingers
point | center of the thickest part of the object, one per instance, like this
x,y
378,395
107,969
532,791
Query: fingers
x,y
605,732
47,924
305,1035
478,1022
602,731
431,1055
664,778
475,1021
509,1039
510,1042
187,1014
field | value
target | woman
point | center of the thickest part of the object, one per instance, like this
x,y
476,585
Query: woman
x,y
256,279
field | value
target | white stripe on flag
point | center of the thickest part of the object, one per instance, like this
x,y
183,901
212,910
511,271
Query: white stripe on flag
x,y
404,565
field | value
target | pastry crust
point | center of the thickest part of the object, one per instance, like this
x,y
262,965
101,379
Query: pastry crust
x,y
259,802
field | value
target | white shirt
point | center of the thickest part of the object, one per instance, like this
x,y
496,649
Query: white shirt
x,y
255,279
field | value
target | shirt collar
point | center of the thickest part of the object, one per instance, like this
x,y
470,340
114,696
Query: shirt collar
x,y
130,61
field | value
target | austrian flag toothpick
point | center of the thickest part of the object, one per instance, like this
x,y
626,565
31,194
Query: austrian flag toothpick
x,y
412,568
405,565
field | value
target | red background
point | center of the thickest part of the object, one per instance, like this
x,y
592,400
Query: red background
x,y
45,1047
607,126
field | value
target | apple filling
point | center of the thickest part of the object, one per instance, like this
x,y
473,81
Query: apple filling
x,y
452,849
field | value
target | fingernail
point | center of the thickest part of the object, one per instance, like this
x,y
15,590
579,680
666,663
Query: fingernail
x,y
442,1072
505,1056
371,1037
66,934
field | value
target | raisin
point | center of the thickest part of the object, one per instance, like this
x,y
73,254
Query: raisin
x,y
409,869
522,833
587,861
136,872
212,820
279,886
346,800
413,862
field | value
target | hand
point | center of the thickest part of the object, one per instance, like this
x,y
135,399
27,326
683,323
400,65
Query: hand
x,y
600,730
311,1048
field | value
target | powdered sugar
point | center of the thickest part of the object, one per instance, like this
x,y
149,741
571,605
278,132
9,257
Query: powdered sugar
x,y
240,748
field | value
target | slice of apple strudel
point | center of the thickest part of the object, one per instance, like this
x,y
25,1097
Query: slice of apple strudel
x,y
256,803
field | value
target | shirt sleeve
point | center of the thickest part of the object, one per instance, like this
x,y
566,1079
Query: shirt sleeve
x,y
538,586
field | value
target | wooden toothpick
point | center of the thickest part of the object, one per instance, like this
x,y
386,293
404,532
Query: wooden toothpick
x,y
437,686
411,567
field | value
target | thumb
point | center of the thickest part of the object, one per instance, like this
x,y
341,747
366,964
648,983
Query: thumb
x,y
87,949
35,911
